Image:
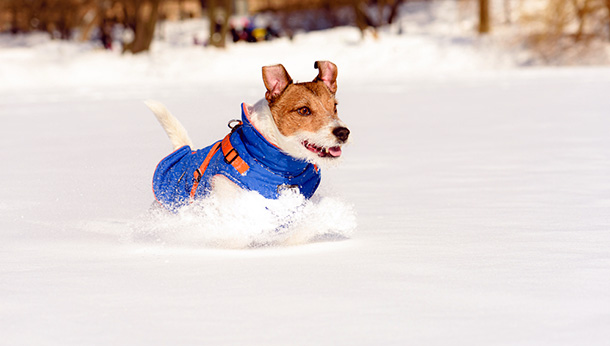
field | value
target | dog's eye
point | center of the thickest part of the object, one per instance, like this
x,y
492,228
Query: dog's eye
x,y
304,111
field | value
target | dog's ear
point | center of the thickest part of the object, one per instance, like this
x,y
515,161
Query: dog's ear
x,y
276,80
327,74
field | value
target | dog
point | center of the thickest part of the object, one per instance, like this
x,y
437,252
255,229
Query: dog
x,y
281,142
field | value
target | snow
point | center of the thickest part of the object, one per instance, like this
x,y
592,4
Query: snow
x,y
212,222
472,208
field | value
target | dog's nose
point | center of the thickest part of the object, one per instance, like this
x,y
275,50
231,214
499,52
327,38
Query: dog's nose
x,y
342,133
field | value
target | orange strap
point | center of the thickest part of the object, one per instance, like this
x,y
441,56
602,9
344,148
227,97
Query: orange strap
x,y
232,157
199,172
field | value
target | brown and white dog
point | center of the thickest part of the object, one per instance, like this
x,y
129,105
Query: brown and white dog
x,y
298,118
302,118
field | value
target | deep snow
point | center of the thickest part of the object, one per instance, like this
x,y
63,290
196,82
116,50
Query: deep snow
x,y
481,201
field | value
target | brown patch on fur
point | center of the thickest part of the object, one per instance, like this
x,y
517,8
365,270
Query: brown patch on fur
x,y
288,108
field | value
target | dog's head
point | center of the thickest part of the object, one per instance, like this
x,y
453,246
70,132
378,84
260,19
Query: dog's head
x,y
305,114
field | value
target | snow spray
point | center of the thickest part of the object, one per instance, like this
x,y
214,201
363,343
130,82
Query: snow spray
x,y
248,220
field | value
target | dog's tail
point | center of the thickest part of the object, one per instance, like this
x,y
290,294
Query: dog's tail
x,y
175,131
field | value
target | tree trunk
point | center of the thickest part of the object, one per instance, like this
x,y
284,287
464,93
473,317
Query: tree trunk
x,y
381,12
363,21
15,22
146,13
394,10
608,6
581,13
219,13
484,26
91,24
507,14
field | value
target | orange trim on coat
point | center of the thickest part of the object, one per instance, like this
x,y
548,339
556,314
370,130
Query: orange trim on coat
x,y
201,170
232,157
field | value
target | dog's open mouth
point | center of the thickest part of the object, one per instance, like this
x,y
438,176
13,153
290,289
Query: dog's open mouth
x,y
323,152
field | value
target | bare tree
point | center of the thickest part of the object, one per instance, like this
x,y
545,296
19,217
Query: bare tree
x,y
581,10
141,16
484,20
363,20
608,17
219,13
393,6
507,14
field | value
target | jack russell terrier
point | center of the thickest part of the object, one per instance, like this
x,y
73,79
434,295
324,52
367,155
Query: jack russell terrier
x,y
280,143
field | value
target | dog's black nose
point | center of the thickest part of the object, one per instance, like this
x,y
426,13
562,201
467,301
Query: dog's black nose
x,y
341,133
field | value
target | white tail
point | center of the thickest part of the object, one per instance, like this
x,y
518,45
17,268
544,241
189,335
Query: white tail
x,y
175,131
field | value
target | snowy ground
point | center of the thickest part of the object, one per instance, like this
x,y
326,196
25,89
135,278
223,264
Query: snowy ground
x,y
480,194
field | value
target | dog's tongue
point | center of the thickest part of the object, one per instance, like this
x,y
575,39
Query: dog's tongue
x,y
335,151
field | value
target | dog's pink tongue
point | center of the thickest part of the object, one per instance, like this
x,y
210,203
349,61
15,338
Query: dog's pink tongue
x,y
335,151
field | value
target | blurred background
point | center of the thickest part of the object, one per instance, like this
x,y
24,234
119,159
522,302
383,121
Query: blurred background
x,y
541,31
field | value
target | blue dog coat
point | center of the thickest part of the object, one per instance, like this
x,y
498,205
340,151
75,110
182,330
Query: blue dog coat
x,y
244,156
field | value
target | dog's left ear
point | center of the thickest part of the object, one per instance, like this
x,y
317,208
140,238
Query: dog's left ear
x,y
327,74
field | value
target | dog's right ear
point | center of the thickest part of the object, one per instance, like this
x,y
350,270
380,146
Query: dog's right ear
x,y
276,80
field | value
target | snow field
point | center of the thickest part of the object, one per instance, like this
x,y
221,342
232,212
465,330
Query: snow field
x,y
472,207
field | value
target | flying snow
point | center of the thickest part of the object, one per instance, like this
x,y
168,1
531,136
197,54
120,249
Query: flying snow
x,y
246,221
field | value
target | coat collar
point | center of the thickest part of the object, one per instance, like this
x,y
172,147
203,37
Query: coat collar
x,y
266,153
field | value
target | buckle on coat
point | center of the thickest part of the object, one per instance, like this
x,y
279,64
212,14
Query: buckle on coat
x,y
230,161
234,124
